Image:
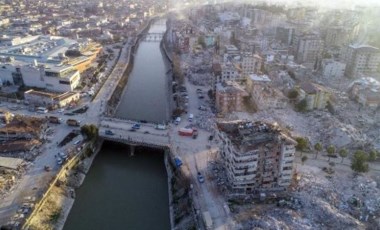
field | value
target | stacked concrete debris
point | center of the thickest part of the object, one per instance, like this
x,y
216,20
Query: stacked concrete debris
x,y
206,120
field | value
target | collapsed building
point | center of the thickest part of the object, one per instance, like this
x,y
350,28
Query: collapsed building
x,y
258,157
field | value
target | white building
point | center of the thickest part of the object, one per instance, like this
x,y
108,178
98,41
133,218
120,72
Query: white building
x,y
258,157
332,68
308,49
54,78
361,60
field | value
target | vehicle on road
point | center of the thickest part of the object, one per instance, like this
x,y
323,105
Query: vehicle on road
x,y
77,142
200,177
136,126
177,161
55,120
47,168
61,110
59,161
195,133
185,132
62,155
72,122
42,110
160,127
146,132
69,114
109,132
177,120
191,117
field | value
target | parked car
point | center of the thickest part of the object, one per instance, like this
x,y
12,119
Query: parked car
x,y
136,126
47,168
59,161
201,179
109,132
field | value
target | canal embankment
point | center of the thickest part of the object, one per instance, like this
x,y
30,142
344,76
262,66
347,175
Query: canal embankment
x,y
51,211
114,100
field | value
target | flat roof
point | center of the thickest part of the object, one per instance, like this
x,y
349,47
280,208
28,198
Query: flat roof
x,y
9,162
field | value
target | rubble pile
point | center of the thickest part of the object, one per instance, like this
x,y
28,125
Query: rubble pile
x,y
317,126
8,178
206,120
201,79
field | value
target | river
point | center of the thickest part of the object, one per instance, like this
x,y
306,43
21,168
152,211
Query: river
x,y
143,97
123,192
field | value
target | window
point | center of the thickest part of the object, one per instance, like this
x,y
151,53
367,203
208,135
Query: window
x,y
64,82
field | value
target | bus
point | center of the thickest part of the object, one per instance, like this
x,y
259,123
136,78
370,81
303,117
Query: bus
x,y
42,110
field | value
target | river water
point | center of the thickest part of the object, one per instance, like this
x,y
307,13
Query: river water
x,y
123,192
146,94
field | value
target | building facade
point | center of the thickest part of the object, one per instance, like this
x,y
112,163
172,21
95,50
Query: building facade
x,y
229,97
258,157
316,96
309,49
361,60
332,68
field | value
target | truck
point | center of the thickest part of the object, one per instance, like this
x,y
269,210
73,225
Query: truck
x,y
207,220
185,132
54,120
72,122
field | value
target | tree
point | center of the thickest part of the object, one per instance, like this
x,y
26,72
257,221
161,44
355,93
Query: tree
x,y
372,155
343,153
358,163
303,159
302,144
318,148
330,151
293,94
90,131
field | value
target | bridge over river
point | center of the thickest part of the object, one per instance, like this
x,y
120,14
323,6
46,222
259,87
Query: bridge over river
x,y
122,131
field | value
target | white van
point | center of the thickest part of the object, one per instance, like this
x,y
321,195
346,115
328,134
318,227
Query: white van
x,y
191,117
42,110
177,121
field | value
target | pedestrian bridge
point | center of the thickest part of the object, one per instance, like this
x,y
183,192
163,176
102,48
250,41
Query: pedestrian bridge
x,y
122,132
153,37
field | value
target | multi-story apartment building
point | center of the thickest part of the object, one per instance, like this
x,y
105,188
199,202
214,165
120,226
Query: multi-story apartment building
x,y
229,97
308,49
366,91
361,60
263,94
316,96
332,68
258,157
285,34
250,63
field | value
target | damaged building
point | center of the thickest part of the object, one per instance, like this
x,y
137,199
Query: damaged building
x,y
258,157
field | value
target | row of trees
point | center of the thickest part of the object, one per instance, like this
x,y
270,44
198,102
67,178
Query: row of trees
x,y
360,158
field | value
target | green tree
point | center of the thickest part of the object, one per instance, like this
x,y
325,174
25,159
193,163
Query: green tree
x,y
303,159
343,153
372,155
293,94
91,132
330,151
318,148
358,163
302,144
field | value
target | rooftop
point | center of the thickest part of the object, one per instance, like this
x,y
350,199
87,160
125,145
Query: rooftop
x,y
248,135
